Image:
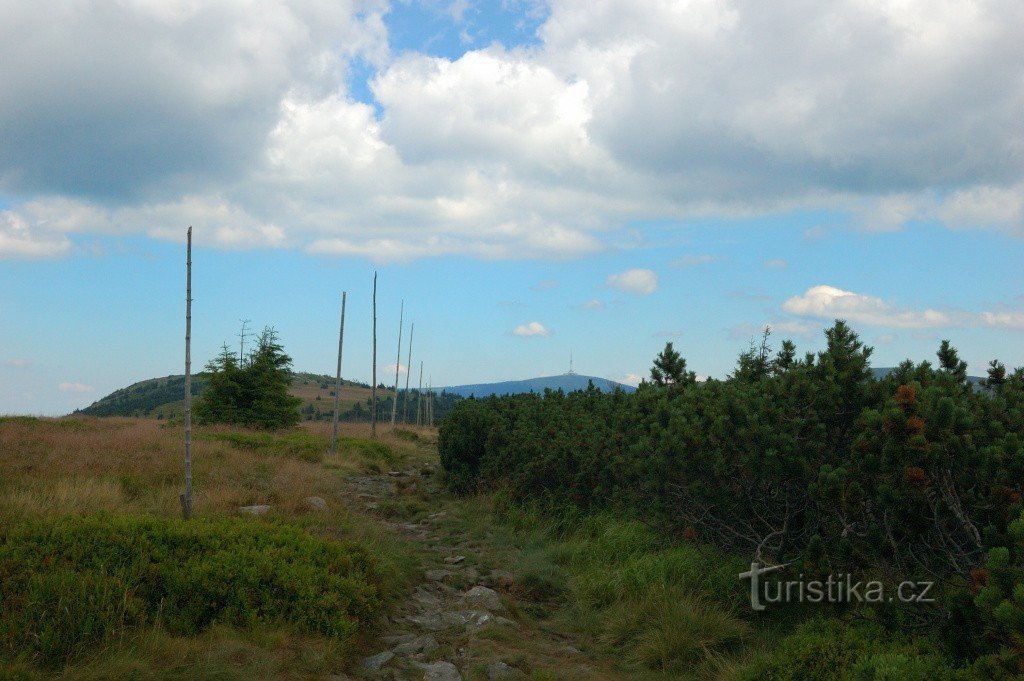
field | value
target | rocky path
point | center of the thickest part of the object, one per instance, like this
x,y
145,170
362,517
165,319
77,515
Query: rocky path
x,y
461,621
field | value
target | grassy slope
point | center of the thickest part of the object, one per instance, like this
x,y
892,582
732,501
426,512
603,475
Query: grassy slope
x,y
131,469
602,594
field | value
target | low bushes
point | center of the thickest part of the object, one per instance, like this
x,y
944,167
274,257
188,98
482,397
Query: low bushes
x,y
830,649
816,462
78,582
297,445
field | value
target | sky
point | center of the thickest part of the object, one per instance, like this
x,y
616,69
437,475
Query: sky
x,y
532,178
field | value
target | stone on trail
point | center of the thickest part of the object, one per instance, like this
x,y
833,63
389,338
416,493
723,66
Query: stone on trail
x,y
421,644
316,502
437,575
376,662
483,597
500,670
257,509
424,597
438,671
454,560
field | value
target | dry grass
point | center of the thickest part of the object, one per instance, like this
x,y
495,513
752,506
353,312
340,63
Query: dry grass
x,y
133,466
78,465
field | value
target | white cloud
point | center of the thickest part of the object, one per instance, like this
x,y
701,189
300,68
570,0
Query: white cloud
x,y
390,369
230,116
68,387
640,281
985,206
693,260
18,363
631,379
18,240
593,304
776,264
829,302
545,285
531,329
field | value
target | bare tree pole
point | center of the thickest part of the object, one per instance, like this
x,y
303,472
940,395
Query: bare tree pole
x,y
337,377
241,341
373,392
186,496
408,374
419,397
430,402
398,365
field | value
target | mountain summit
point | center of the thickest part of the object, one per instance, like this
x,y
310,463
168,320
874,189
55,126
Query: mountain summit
x,y
565,382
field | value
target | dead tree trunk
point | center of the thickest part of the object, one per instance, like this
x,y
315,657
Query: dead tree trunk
x,y
408,374
337,378
419,398
398,365
186,496
430,402
373,392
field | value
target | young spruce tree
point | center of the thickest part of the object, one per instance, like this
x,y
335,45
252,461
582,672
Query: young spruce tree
x,y
253,393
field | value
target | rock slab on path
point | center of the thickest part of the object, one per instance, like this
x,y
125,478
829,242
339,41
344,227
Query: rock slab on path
x,y
421,644
483,597
500,670
439,671
376,662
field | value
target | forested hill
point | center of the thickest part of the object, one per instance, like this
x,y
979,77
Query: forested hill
x,y
565,382
164,397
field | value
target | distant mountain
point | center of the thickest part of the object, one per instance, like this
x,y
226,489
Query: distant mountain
x,y
881,372
565,382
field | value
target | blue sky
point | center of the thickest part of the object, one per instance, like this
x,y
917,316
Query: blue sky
x,y
531,178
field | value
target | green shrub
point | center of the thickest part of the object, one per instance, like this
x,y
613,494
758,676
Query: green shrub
x,y
832,649
371,449
70,585
915,476
298,445
670,630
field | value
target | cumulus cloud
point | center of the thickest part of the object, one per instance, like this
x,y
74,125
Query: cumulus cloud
x,y
593,304
69,387
230,116
17,240
985,206
829,302
530,329
640,281
631,379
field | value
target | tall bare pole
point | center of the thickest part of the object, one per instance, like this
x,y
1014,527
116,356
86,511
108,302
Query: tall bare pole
x,y
408,374
186,496
419,396
430,402
398,365
373,392
241,341
337,377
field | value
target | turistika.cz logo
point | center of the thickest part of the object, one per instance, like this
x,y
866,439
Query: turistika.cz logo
x,y
841,588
